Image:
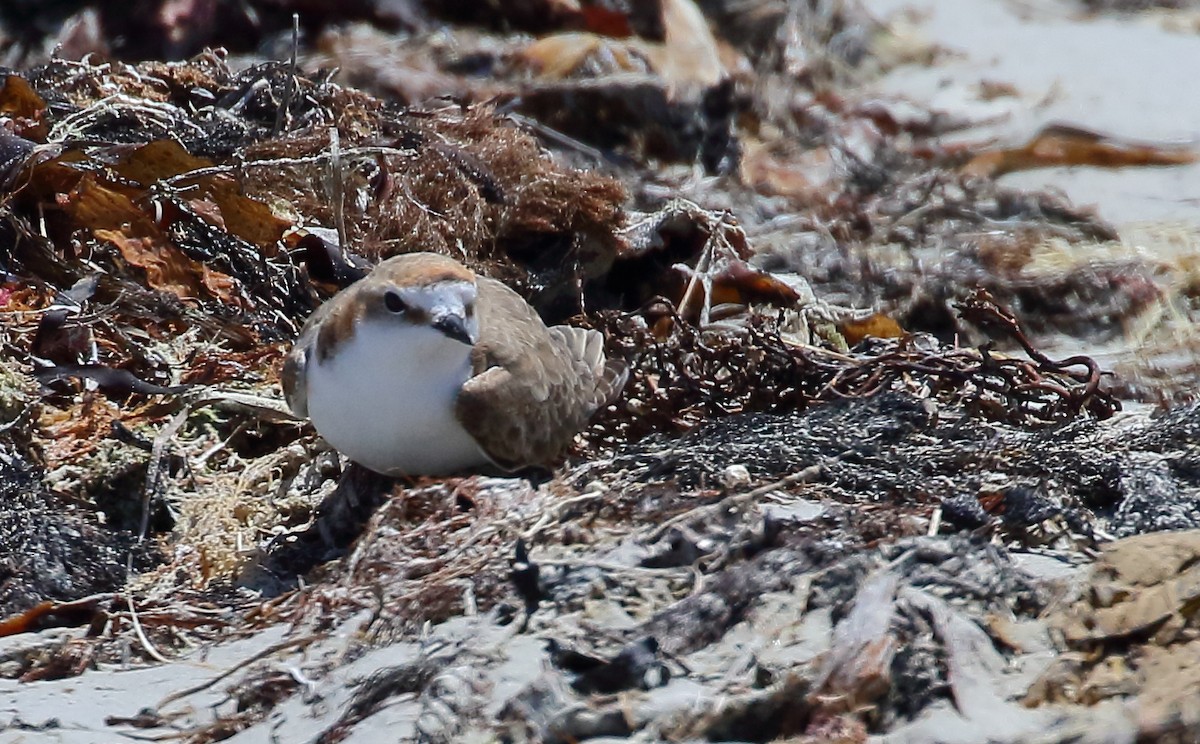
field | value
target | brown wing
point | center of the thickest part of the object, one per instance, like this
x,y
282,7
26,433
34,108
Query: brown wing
x,y
295,365
533,387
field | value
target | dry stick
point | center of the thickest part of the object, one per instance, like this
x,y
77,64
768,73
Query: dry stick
x,y
558,137
141,634
935,522
155,466
702,266
807,475
339,196
137,625
152,474
271,410
273,648
613,567
17,419
153,470
281,113
550,515
214,449
217,170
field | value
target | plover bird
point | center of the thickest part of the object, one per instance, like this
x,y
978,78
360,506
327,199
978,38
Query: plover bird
x,y
424,368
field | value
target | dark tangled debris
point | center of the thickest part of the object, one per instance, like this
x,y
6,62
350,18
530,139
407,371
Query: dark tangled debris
x,y
693,376
800,519
55,551
635,666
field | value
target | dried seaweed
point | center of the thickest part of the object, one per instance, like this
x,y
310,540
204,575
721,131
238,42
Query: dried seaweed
x,y
54,550
166,227
694,375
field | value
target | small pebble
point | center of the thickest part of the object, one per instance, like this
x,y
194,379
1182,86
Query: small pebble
x,y
735,476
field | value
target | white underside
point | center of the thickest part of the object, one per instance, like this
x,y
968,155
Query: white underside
x,y
386,400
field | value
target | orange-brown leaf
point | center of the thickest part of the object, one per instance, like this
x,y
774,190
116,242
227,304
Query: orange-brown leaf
x,y
49,175
17,98
559,56
97,207
246,218
20,102
27,621
876,325
239,215
158,160
1064,145
606,21
739,282
168,269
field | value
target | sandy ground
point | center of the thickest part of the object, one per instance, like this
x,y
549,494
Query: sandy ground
x,y
1124,77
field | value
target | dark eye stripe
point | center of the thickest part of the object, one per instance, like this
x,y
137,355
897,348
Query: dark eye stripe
x,y
394,304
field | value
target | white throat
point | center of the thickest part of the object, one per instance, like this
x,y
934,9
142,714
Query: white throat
x,y
386,399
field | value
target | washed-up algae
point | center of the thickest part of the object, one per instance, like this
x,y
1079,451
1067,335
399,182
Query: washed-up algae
x,y
846,491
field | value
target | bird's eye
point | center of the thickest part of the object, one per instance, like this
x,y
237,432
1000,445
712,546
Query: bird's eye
x,y
394,304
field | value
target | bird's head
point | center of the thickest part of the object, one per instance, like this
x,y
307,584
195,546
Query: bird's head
x,y
415,290
425,290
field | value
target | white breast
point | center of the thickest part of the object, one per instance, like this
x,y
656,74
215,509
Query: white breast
x,y
386,400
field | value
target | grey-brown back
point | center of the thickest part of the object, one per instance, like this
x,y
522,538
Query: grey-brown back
x,y
534,388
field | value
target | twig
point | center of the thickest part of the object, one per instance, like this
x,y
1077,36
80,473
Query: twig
x,y
551,515
275,163
137,628
702,266
613,567
807,475
273,648
17,419
267,409
935,523
337,187
154,469
560,138
281,113
203,456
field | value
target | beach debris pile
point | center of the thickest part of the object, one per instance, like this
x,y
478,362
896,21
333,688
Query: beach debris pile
x,y
849,489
